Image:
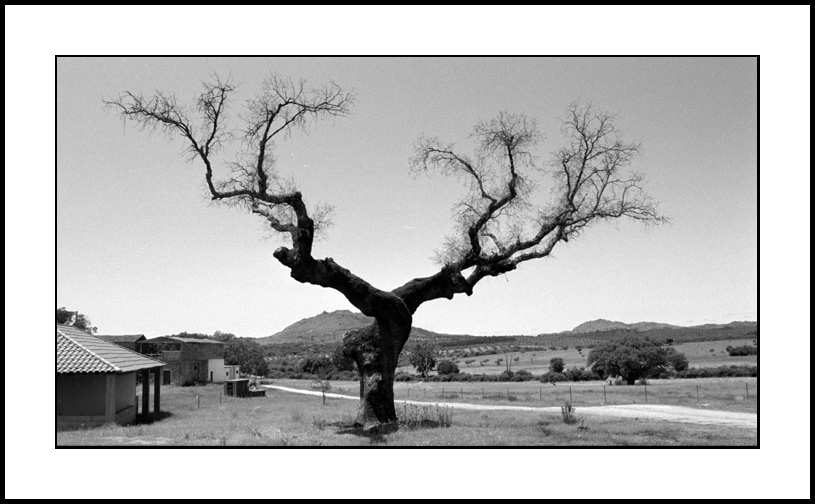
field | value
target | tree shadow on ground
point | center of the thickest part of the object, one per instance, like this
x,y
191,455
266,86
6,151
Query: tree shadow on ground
x,y
375,434
152,418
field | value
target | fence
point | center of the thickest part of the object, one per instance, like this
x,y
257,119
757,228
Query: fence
x,y
556,395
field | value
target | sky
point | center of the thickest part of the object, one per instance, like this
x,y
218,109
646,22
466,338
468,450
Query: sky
x,y
141,250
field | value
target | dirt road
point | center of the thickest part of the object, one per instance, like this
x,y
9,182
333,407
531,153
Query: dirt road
x,y
663,412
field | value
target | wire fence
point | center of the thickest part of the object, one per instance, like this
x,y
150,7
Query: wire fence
x,y
557,395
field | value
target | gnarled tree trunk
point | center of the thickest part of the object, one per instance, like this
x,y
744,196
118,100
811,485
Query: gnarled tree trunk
x,y
376,349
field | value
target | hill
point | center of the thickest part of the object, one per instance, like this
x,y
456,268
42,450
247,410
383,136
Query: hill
x,y
610,325
329,327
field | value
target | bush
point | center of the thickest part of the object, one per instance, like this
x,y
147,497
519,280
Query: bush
x,y
404,377
506,376
556,365
447,367
567,412
720,372
551,377
742,350
581,374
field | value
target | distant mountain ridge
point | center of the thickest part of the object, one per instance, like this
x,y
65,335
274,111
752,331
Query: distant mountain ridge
x,y
609,325
329,327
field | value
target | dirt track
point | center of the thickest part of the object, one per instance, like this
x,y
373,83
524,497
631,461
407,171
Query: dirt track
x,y
663,412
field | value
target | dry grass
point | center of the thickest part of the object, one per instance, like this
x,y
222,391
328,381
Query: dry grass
x,y
714,393
286,419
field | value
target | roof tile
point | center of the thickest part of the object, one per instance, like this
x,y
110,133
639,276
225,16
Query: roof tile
x,y
80,352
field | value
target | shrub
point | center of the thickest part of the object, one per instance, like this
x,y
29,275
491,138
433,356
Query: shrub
x,y
447,367
551,377
556,365
742,350
404,377
567,412
506,376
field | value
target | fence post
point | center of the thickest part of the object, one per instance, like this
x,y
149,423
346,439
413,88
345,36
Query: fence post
x,y
198,397
408,392
570,394
604,395
746,390
442,392
697,393
507,393
646,394
220,397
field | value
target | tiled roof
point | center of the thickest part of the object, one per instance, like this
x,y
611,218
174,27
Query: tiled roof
x,y
125,338
80,352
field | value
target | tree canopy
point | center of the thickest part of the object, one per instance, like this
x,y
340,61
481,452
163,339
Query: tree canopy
x,y
76,319
423,357
634,358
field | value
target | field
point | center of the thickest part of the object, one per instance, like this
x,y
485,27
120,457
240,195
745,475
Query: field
x,y
288,419
726,394
536,360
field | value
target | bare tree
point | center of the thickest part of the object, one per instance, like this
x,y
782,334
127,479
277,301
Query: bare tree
x,y
499,225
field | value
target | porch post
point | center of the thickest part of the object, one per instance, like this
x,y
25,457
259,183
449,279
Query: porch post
x,y
145,392
157,390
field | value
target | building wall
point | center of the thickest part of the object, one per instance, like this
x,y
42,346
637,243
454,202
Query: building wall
x,y
81,399
232,372
216,369
126,398
81,394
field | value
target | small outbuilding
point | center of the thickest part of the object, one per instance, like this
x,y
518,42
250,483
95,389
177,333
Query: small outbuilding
x,y
96,380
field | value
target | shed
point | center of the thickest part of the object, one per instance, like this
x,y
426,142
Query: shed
x,y
96,380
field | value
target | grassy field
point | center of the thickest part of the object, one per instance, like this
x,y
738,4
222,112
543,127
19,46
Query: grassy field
x,y
286,419
728,394
537,361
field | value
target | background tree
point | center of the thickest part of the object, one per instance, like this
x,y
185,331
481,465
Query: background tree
x,y
341,361
556,365
246,353
423,357
76,319
447,367
677,360
499,222
632,359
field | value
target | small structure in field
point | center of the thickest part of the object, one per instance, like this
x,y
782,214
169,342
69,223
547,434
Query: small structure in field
x,y
237,388
96,380
232,372
127,341
188,360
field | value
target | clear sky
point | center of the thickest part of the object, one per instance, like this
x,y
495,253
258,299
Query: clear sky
x,y
140,249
